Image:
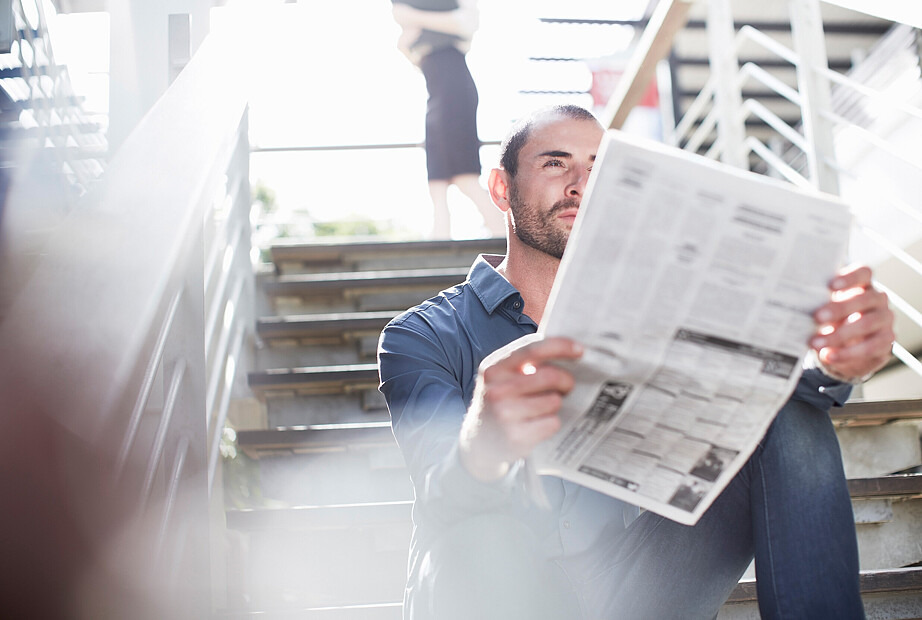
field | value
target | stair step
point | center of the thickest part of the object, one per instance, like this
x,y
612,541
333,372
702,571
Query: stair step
x,y
340,516
903,486
289,409
8,73
304,558
350,254
9,133
329,464
872,584
868,412
329,325
316,379
274,441
874,581
381,611
327,284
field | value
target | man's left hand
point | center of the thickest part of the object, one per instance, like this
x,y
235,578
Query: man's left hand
x,y
855,328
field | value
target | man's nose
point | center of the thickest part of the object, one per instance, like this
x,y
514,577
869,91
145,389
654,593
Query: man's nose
x,y
577,184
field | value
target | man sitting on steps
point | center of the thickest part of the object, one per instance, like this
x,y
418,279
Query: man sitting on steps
x,y
482,548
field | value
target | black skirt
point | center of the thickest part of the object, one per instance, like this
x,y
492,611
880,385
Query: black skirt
x,y
452,145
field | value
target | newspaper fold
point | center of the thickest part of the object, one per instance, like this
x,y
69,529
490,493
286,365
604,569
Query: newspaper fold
x,y
691,285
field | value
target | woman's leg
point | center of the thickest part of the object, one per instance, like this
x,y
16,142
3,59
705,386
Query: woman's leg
x,y
493,218
441,219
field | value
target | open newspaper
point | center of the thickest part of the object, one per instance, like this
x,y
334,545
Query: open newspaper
x,y
691,285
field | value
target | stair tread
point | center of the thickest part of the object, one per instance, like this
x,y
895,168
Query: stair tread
x,y
329,252
322,322
372,611
872,582
336,515
312,375
309,284
316,437
863,412
880,487
377,275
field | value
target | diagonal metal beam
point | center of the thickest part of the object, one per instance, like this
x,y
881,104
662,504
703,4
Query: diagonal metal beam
x,y
668,18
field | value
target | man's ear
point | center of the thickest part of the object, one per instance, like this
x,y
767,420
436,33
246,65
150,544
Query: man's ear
x,y
498,184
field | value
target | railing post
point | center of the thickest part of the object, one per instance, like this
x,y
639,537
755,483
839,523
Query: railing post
x,y
670,105
728,100
810,45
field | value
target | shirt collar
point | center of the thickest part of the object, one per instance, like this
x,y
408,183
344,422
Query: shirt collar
x,y
491,288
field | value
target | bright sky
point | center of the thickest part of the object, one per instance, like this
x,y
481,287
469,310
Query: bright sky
x,y
330,74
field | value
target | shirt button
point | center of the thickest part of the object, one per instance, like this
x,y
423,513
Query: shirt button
x,y
517,305
566,525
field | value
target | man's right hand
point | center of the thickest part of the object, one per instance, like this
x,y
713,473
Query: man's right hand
x,y
515,404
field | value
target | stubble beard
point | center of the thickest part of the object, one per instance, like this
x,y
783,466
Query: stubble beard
x,y
536,229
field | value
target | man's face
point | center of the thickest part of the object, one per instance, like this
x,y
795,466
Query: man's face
x,y
545,194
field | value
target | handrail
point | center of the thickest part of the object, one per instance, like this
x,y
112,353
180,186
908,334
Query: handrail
x,y
911,313
879,99
694,111
898,11
775,122
762,76
900,205
166,418
153,364
749,69
172,494
55,108
776,163
217,427
845,116
106,339
770,44
908,359
877,141
225,341
668,18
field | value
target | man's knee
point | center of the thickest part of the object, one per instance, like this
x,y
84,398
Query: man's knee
x,y
802,448
491,567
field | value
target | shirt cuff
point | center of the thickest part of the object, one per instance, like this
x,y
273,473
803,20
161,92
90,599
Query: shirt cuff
x,y
821,390
473,494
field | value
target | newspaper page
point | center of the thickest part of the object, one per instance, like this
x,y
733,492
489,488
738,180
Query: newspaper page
x,y
691,285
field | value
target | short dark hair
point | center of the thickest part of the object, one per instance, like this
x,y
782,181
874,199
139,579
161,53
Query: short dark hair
x,y
518,134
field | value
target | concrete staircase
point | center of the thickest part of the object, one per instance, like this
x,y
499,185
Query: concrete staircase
x,y
325,531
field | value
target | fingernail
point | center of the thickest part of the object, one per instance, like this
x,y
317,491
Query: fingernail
x,y
818,343
824,315
838,283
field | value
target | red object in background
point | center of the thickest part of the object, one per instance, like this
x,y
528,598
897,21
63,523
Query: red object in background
x,y
604,82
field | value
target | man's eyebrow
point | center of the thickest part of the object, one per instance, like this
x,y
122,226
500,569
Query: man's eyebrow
x,y
563,154
555,154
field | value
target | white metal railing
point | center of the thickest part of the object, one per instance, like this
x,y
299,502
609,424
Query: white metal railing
x,y
898,11
54,114
109,337
833,117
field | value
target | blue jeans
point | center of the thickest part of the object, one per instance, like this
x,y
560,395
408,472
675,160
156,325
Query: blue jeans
x,y
788,507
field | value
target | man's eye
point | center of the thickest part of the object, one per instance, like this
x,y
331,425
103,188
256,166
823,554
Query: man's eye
x,y
553,162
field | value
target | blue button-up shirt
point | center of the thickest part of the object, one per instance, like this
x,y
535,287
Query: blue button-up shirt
x,y
428,359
